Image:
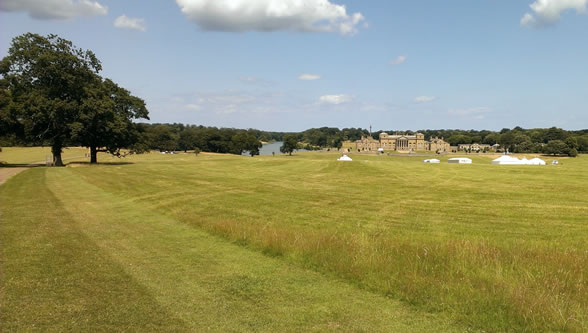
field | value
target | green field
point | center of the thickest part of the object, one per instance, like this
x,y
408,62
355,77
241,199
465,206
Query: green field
x,y
230,243
37,155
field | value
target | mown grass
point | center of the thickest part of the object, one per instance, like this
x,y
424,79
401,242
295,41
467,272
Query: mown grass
x,y
20,155
75,257
497,248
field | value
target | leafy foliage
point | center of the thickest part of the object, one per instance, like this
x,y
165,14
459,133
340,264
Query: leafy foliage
x,y
290,144
104,122
46,79
51,93
556,147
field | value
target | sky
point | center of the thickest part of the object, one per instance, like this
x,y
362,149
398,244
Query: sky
x,y
290,65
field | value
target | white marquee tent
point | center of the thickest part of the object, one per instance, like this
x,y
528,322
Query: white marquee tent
x,y
345,158
460,160
509,160
537,161
433,160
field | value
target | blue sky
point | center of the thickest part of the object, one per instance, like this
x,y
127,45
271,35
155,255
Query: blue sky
x,y
290,65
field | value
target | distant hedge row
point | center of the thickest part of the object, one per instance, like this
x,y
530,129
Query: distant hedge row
x,y
171,137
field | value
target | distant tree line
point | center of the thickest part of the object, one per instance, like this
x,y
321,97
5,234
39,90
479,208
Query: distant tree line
x,y
180,137
554,141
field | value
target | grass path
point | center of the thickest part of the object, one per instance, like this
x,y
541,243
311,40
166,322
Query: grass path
x,y
85,259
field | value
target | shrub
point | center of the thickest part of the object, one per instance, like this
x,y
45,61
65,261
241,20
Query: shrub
x,y
196,151
573,152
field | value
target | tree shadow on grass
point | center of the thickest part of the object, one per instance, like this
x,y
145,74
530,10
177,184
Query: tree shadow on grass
x,y
100,163
20,165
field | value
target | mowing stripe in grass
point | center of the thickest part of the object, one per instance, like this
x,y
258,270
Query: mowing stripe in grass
x,y
464,240
55,278
210,283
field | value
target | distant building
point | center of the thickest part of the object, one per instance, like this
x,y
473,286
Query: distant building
x,y
405,143
474,147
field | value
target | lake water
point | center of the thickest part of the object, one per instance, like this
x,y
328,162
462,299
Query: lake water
x,y
274,147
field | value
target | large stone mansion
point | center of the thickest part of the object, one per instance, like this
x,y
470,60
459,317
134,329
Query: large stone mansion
x,y
405,143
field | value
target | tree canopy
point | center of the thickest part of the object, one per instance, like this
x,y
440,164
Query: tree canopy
x,y
46,77
246,142
56,94
104,122
290,144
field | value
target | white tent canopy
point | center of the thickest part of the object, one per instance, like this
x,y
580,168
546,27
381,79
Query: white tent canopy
x,y
537,161
345,158
509,160
460,160
433,160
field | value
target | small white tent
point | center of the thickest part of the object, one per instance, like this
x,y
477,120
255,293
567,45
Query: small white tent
x,y
345,158
507,160
460,160
537,161
433,160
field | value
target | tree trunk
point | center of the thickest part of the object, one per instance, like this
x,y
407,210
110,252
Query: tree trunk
x,y
56,150
93,155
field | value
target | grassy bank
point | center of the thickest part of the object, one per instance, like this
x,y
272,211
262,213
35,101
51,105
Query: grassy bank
x,y
490,247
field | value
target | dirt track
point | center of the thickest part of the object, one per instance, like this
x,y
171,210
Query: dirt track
x,y
6,173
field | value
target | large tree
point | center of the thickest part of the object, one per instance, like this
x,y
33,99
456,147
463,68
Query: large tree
x,y
47,79
245,142
556,147
6,121
290,144
105,120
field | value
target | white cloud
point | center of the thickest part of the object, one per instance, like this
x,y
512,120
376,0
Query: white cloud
x,y
335,99
308,77
399,60
477,113
528,20
54,9
271,15
549,11
125,22
425,99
